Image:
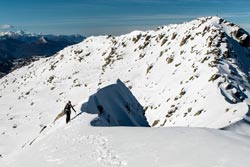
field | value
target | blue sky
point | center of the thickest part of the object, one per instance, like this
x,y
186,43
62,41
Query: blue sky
x,y
98,17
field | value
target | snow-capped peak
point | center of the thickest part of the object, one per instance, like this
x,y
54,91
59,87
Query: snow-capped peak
x,y
43,40
15,34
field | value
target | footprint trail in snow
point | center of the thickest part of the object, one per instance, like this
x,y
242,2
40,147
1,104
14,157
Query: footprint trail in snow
x,y
104,153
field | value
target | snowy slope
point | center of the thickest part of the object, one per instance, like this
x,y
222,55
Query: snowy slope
x,y
78,144
193,74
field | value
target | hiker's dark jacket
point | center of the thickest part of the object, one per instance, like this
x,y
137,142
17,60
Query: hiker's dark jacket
x,y
67,108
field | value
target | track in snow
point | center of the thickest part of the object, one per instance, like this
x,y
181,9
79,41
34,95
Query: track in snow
x,y
104,153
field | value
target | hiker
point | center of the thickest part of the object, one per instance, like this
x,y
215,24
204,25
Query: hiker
x,y
67,110
100,110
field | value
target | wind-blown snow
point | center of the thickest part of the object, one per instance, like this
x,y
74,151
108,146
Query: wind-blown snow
x,y
194,74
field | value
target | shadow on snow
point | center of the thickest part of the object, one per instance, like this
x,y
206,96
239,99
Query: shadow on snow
x,y
115,106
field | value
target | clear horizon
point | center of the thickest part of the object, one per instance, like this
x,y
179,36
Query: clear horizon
x,y
113,17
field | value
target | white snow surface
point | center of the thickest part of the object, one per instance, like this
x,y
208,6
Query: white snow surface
x,y
194,74
79,144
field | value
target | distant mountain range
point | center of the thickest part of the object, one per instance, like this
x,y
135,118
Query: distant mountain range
x,y
19,48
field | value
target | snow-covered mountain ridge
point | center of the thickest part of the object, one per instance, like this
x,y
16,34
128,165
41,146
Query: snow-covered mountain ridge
x,y
23,34
15,34
176,72
192,74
